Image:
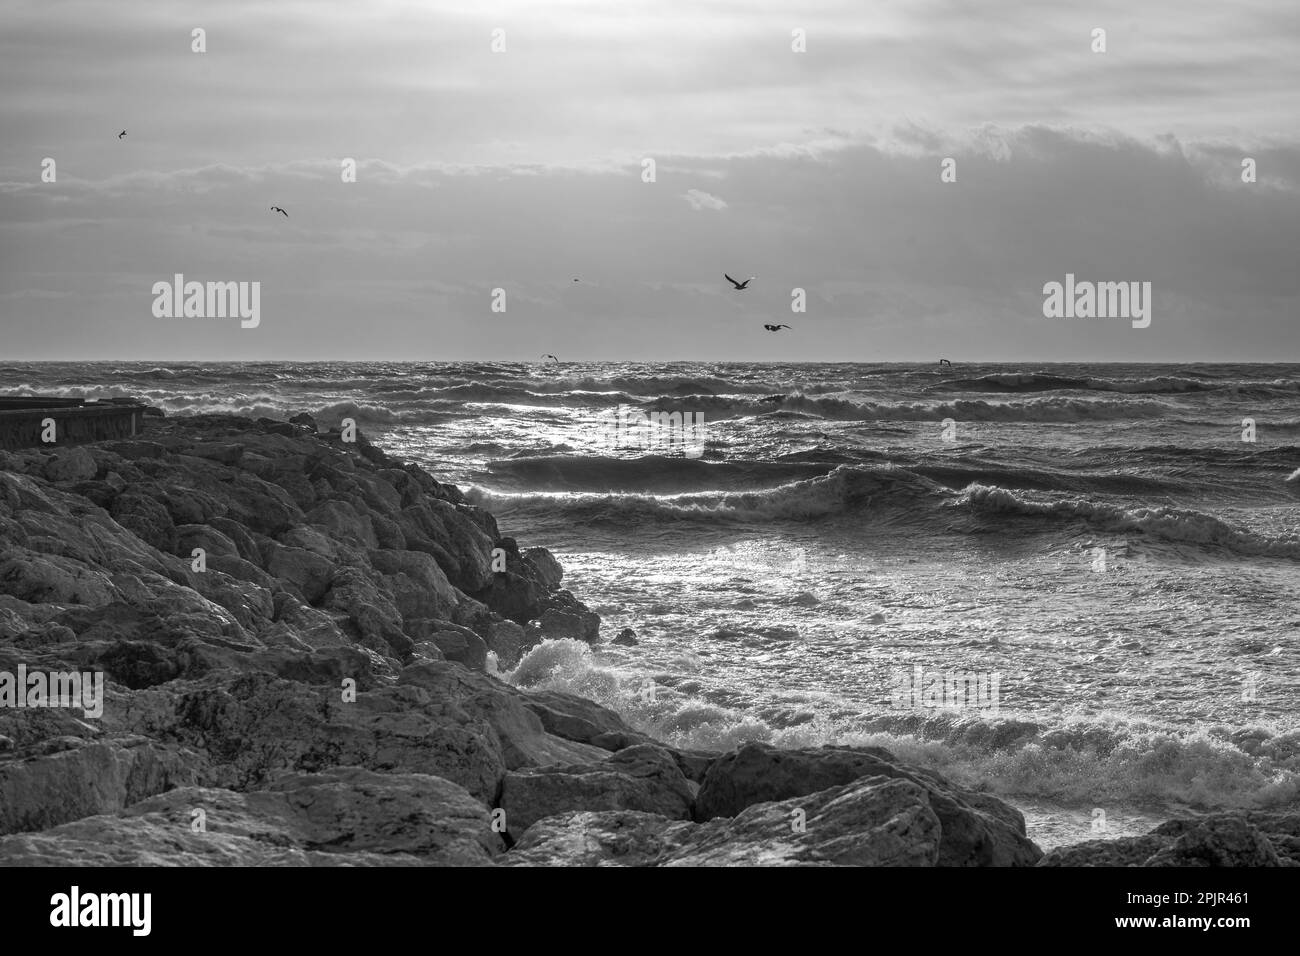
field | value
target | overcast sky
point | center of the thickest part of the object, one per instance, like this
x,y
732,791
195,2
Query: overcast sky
x,y
523,169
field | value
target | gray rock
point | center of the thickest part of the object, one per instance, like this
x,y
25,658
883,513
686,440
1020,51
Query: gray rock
x,y
643,777
72,464
1252,838
345,816
43,789
548,569
871,822
977,830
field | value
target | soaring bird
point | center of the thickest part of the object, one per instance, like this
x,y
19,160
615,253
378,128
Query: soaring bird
x,y
121,134
944,362
739,285
278,209
777,328
550,356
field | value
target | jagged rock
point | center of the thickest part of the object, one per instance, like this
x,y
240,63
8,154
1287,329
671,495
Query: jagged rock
x,y
146,518
1253,838
626,637
871,822
455,643
440,719
460,546
643,777
313,540
341,522
212,541
39,790
977,830
575,718
362,595
694,764
420,588
242,570
507,640
345,816
548,569
74,464
602,838
304,572
228,453
874,821
50,579
565,617
244,543
513,596
1221,842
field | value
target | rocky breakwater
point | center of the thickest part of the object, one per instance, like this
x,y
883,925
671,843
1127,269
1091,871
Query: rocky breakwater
x,y
296,636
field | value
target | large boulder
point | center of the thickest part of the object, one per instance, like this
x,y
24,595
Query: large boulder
x,y
977,830
642,777
454,643
303,572
1254,838
65,778
871,822
141,513
51,579
439,719
576,718
549,571
564,617
72,464
420,588
342,816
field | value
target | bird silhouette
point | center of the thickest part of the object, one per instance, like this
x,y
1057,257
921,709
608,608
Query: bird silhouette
x,y
777,328
121,134
945,362
550,356
279,210
739,285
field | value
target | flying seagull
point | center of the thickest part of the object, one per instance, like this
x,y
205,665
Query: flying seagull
x,y
278,209
739,285
121,134
777,328
550,356
944,362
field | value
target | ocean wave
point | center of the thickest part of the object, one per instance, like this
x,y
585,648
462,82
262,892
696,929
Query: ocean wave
x,y
1175,525
477,392
845,488
679,476
1115,761
1165,384
916,497
648,473
1048,410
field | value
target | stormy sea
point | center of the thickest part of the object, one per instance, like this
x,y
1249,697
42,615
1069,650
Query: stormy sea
x,y
1076,587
